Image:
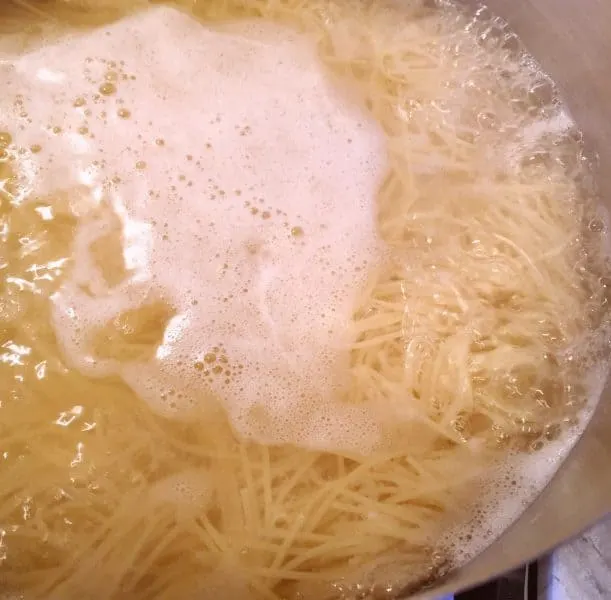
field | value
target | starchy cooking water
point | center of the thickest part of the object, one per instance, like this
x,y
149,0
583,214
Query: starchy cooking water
x,y
297,301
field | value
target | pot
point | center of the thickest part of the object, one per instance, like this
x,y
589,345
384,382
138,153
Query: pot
x,y
571,41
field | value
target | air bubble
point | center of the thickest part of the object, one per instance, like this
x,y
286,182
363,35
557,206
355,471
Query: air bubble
x,y
6,139
108,89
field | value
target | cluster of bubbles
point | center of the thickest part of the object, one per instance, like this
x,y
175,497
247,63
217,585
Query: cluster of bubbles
x,y
254,236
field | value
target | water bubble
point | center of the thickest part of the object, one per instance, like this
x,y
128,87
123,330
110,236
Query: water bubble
x,y
108,89
5,139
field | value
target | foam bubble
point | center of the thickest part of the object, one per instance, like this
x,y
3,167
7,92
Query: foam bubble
x,y
251,219
189,491
507,490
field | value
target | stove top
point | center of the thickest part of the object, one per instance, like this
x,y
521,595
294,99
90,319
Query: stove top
x,y
579,570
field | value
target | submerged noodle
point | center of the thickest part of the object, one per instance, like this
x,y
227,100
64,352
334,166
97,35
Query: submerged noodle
x,y
476,333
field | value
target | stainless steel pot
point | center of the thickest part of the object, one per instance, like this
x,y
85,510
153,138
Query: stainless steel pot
x,y
571,39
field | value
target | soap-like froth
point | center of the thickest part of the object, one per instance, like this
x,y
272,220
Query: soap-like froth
x,y
506,490
241,184
190,492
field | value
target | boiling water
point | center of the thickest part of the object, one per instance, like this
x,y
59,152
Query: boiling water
x,y
278,294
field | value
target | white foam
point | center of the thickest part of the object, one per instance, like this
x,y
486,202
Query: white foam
x,y
244,182
507,490
558,123
527,138
191,491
